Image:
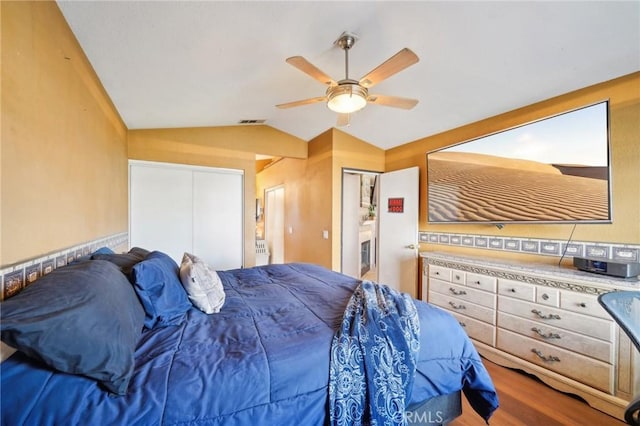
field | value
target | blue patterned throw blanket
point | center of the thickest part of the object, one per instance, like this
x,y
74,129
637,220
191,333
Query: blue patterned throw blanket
x,y
373,358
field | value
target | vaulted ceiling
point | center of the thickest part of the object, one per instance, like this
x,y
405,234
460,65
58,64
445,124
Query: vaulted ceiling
x,y
214,63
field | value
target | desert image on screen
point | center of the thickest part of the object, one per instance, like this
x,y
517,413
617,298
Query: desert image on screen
x,y
471,187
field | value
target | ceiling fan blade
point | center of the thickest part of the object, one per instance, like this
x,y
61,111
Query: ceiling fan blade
x,y
343,120
303,102
308,68
392,101
391,66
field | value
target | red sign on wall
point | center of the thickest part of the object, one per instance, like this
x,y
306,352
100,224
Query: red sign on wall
x,y
396,205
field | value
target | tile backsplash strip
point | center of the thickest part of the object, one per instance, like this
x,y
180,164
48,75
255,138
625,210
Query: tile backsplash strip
x,y
593,250
14,278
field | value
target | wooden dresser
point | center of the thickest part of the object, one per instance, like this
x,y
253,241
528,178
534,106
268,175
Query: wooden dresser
x,y
542,319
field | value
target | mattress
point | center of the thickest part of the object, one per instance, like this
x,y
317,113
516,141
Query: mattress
x,y
263,359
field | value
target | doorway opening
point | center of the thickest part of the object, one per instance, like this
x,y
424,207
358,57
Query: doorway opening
x,y
359,224
274,223
365,257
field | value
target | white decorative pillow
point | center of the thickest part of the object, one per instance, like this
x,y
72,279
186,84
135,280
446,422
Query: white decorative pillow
x,y
202,284
5,351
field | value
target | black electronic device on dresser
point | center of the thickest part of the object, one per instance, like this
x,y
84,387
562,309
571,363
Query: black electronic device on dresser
x,y
614,268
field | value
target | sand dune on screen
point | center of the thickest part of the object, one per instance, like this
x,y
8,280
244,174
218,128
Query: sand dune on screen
x,y
477,187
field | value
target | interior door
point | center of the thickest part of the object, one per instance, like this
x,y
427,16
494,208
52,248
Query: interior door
x,y
217,218
274,223
177,208
350,224
160,208
398,209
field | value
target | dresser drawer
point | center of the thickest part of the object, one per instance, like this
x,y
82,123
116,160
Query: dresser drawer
x,y
454,304
458,277
481,282
594,348
586,370
583,324
548,296
464,293
440,272
583,303
477,330
517,289
542,318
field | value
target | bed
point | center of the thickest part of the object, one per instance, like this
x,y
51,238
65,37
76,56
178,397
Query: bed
x,y
122,339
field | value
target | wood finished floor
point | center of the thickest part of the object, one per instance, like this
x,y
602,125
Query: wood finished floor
x,y
528,402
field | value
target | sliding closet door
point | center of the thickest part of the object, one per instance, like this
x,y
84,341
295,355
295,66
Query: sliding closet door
x,y
177,208
160,209
217,218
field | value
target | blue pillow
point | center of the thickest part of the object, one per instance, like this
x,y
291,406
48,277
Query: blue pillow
x,y
125,261
82,319
103,250
157,281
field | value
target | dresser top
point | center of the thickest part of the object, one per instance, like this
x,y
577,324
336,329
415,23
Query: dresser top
x,y
539,269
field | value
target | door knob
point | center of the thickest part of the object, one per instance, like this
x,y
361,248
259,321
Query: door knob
x,y
411,246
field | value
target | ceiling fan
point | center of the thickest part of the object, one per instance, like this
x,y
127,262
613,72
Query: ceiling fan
x,y
347,96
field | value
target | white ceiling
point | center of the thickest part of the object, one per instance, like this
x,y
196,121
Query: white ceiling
x,y
214,63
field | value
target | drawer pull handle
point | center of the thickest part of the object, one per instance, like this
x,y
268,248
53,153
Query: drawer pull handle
x,y
582,305
545,336
454,306
458,277
550,358
542,316
477,282
437,273
457,292
545,296
512,290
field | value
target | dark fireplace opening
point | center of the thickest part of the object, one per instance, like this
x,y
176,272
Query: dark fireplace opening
x,y
365,257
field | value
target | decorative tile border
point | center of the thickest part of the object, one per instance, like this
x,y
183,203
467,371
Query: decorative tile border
x,y
14,278
543,247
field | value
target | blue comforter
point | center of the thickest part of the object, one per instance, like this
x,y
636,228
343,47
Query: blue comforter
x,y
264,359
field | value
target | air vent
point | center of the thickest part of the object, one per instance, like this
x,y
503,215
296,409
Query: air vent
x,y
251,121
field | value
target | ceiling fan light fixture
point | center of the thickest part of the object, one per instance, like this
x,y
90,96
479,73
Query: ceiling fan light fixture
x,y
346,98
347,95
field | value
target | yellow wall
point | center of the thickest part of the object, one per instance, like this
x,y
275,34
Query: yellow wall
x,y
313,194
624,96
287,173
63,150
1,138
350,153
233,147
307,201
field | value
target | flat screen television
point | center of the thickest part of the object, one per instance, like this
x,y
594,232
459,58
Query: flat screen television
x,y
553,170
